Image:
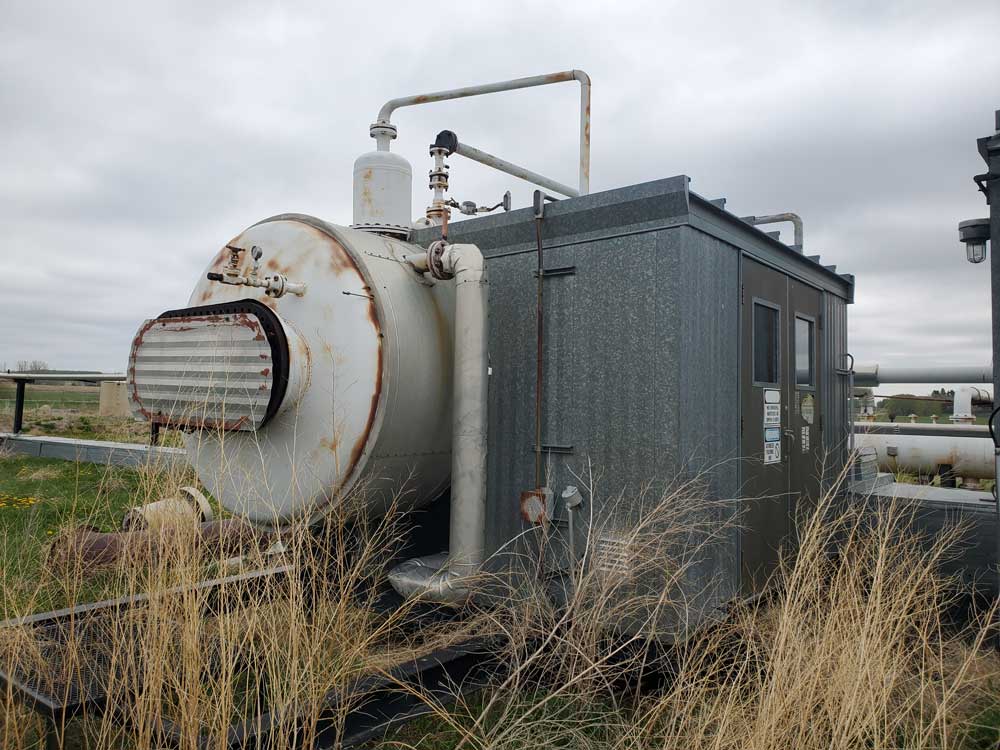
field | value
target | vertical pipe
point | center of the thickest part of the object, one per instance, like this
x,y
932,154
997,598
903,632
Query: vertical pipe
x,y
19,405
990,150
584,80
539,347
467,531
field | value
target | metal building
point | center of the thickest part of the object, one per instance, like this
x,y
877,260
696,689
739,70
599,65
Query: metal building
x,y
678,340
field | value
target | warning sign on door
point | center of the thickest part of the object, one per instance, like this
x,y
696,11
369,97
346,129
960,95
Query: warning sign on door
x,y
772,407
772,452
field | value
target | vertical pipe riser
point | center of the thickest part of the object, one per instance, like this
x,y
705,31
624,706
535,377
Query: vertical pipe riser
x,y
468,483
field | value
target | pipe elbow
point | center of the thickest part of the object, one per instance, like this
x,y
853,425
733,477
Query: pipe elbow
x,y
430,578
465,263
582,77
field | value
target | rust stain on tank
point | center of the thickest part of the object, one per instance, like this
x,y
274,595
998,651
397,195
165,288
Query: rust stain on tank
x,y
272,264
444,336
359,446
366,191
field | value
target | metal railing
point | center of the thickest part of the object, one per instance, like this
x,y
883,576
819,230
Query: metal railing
x,y
21,380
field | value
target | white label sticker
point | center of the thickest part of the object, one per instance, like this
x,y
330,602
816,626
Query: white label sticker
x,y
772,407
772,434
805,439
772,452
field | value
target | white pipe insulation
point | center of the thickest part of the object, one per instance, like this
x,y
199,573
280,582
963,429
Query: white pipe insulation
x,y
968,457
872,375
965,397
447,578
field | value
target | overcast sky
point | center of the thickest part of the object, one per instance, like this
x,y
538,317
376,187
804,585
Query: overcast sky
x,y
137,138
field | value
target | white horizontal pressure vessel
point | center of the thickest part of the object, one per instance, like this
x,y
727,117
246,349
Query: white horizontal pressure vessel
x,y
367,407
969,457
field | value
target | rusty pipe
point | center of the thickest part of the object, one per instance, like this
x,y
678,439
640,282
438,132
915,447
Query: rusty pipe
x,y
471,152
94,550
383,131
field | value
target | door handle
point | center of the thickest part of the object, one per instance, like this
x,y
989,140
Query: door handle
x,y
788,435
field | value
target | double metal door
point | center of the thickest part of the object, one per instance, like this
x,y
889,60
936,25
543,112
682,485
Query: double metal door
x,y
782,452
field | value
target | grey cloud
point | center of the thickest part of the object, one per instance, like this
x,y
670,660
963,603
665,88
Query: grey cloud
x,y
137,140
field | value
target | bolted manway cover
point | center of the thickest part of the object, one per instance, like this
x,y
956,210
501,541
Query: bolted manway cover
x,y
220,366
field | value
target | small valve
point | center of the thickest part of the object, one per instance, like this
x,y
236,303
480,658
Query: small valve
x,y
469,208
273,286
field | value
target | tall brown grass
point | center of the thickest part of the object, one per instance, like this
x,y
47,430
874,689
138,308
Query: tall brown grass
x,y
847,651
856,649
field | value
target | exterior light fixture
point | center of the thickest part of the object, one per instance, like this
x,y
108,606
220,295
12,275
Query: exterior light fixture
x,y
974,233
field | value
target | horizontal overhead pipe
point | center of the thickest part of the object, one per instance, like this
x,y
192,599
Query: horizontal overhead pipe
x,y
872,375
383,131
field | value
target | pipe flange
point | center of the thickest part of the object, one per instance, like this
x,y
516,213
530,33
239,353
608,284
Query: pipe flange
x,y
435,260
382,130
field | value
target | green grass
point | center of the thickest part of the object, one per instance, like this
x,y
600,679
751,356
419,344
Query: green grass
x,y
38,498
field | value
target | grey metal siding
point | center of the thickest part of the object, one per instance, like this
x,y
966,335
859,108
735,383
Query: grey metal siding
x,y
836,422
611,369
708,321
642,361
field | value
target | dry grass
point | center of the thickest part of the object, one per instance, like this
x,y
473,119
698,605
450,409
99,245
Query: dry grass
x,y
852,651
849,652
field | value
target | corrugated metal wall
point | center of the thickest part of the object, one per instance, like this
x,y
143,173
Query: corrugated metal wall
x,y
642,366
836,427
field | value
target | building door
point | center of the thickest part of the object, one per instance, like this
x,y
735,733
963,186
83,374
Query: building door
x,y
781,420
805,419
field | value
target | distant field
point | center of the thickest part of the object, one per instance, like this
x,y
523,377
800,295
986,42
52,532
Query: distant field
x,y
72,411
84,398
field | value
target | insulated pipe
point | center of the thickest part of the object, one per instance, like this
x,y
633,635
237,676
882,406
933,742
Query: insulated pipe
x,y
795,219
925,454
446,578
468,452
934,430
965,397
872,375
383,131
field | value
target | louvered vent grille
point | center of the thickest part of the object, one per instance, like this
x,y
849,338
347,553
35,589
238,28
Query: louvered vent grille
x,y
203,371
612,554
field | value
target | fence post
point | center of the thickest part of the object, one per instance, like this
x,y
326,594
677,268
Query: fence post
x,y
19,405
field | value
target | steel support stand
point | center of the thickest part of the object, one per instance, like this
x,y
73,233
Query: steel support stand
x,y
19,405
